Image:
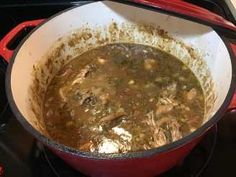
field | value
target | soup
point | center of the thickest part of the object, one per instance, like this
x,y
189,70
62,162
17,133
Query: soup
x,y
122,98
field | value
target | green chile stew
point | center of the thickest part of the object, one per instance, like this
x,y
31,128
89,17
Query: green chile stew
x,y
121,98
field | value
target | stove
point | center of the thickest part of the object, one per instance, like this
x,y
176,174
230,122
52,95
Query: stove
x,y
22,155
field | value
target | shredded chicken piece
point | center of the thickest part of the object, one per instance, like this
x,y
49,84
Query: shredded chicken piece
x,y
81,76
174,127
168,100
159,133
89,146
161,109
193,122
151,120
159,137
62,94
146,147
113,116
191,94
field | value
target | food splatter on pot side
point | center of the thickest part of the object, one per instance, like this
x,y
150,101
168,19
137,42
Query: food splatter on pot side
x,y
87,38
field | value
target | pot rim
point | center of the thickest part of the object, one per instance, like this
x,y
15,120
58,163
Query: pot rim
x,y
119,156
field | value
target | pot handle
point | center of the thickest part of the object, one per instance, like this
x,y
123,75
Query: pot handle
x,y
232,105
186,9
7,53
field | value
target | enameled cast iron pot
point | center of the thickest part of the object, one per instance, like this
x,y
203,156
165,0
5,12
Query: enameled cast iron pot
x,y
210,57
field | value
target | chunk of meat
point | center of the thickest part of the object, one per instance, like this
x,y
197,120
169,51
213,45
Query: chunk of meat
x,y
167,100
190,95
101,61
159,137
150,121
89,146
146,147
174,127
162,109
116,115
83,74
150,64
62,94
193,123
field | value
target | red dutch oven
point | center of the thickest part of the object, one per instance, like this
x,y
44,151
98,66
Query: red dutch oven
x,y
196,39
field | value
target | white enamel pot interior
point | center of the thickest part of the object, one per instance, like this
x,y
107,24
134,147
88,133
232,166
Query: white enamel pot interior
x,y
76,30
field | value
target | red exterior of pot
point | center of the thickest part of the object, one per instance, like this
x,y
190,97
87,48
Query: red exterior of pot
x,y
137,167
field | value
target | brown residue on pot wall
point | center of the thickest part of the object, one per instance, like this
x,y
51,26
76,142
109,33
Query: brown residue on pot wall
x,y
85,38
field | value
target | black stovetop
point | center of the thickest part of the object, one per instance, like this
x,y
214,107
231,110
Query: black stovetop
x,y
22,155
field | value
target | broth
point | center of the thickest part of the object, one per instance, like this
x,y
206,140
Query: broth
x,y
122,98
